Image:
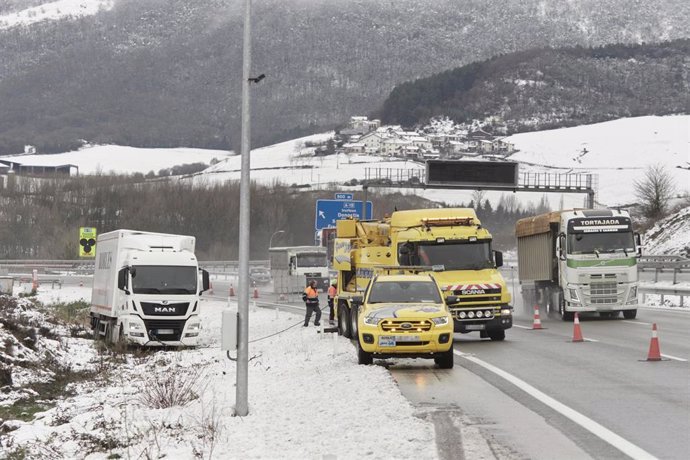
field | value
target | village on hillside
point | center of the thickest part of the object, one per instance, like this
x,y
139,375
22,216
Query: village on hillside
x,y
439,139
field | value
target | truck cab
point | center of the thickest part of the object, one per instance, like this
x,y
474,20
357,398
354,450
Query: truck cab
x,y
147,288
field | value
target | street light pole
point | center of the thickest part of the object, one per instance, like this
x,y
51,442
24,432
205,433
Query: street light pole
x,y
241,395
270,242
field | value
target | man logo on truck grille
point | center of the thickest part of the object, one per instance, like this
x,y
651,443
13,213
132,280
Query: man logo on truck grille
x,y
164,310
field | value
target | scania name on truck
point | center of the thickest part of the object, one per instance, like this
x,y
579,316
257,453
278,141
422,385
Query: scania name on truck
x,y
147,288
450,240
579,261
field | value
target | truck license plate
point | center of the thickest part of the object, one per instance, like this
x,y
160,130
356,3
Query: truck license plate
x,y
387,341
165,331
407,338
475,327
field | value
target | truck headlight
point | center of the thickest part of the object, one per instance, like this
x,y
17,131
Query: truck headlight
x,y
193,330
440,321
371,320
506,312
462,315
573,295
632,297
136,329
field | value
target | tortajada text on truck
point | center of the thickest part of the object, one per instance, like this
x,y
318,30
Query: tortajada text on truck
x,y
579,261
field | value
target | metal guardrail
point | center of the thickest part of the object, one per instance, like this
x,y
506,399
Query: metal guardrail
x,y
680,291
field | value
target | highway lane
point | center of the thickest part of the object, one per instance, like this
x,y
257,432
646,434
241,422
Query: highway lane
x,y
646,403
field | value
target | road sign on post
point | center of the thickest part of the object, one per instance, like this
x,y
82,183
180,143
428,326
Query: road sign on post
x,y
344,196
87,242
328,211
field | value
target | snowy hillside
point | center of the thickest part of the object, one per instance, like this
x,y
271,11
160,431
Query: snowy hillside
x,y
58,9
670,236
617,152
122,160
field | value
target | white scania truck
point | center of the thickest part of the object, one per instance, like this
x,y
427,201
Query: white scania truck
x,y
579,261
146,289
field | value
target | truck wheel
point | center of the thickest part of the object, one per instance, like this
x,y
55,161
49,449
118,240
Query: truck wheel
x,y
629,314
446,359
497,335
363,357
344,322
565,315
353,324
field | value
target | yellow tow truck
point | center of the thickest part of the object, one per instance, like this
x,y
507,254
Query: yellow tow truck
x,y
450,242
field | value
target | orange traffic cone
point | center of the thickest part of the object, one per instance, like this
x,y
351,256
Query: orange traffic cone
x,y
537,321
577,332
256,293
232,291
654,352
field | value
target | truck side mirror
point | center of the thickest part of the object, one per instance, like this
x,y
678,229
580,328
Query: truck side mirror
x,y
122,280
205,281
560,246
638,244
357,300
498,256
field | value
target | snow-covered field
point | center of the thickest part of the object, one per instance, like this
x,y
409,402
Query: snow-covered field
x,y
122,160
617,151
54,10
305,393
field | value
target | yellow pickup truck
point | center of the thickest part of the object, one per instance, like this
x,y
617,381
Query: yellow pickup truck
x,y
404,316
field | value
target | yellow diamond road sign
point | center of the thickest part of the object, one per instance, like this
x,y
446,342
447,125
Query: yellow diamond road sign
x,y
87,242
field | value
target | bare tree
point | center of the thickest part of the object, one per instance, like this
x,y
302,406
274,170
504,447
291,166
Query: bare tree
x,y
654,191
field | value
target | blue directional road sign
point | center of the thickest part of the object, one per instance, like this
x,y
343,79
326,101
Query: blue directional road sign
x,y
328,211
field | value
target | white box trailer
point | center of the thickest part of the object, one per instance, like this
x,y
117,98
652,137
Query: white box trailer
x,y
294,266
146,288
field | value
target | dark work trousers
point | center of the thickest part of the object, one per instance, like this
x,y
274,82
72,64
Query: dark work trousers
x,y
312,306
331,313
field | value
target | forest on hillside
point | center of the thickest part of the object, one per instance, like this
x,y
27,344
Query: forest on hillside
x,y
548,88
153,73
40,218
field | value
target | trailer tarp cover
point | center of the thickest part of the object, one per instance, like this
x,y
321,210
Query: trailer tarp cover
x,y
538,224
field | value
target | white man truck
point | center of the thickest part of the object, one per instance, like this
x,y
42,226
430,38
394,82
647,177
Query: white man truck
x,y
292,268
146,289
579,261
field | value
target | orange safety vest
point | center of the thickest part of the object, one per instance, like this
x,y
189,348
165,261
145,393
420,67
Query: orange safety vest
x,y
332,291
311,293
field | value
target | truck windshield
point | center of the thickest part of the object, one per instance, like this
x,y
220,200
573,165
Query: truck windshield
x,y
591,243
404,291
311,260
453,255
150,279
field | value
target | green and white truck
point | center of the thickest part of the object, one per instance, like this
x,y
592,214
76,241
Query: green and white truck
x,y
579,261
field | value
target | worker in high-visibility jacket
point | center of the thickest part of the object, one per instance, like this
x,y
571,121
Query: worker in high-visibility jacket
x,y
311,300
332,291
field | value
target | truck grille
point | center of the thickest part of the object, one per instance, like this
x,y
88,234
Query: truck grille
x,y
605,293
405,326
164,330
159,309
